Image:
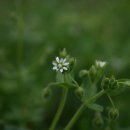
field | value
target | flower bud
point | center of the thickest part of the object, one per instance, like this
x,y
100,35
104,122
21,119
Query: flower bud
x,y
112,79
105,83
83,73
46,92
79,92
113,83
63,53
72,61
113,114
100,64
93,70
93,73
98,121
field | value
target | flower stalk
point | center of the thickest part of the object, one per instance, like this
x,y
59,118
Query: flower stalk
x,y
81,110
60,109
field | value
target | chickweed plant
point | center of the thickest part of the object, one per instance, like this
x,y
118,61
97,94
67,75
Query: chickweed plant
x,y
87,91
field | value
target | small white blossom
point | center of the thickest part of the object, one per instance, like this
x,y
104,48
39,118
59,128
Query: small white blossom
x,y
60,64
101,63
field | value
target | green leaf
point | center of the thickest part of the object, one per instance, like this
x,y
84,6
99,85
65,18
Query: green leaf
x,y
68,78
60,77
124,83
96,107
91,90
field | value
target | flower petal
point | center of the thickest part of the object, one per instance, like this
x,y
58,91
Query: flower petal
x,y
65,68
64,60
66,63
57,59
54,63
61,70
61,60
100,63
55,68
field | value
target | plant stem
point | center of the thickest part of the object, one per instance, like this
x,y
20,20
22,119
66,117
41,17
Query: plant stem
x,y
81,109
113,105
60,109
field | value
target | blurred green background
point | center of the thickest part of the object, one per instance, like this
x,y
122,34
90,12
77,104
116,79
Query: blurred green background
x,y
31,34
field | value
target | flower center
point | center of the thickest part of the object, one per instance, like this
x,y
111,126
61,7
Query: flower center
x,y
60,65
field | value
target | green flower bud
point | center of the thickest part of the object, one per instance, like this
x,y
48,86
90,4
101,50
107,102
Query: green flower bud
x,y
79,92
112,79
83,73
105,83
113,83
63,53
46,92
93,73
98,121
113,114
100,64
109,84
72,62
93,70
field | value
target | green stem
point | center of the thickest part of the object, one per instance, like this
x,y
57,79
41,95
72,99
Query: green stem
x,y
75,82
113,105
81,109
60,109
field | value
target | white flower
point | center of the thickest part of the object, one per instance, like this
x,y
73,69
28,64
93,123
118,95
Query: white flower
x,y
60,64
101,63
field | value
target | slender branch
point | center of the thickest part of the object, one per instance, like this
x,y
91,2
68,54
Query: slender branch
x,y
111,100
81,109
75,82
60,109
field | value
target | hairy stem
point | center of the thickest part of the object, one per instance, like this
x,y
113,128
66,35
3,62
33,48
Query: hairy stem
x,y
81,109
60,109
